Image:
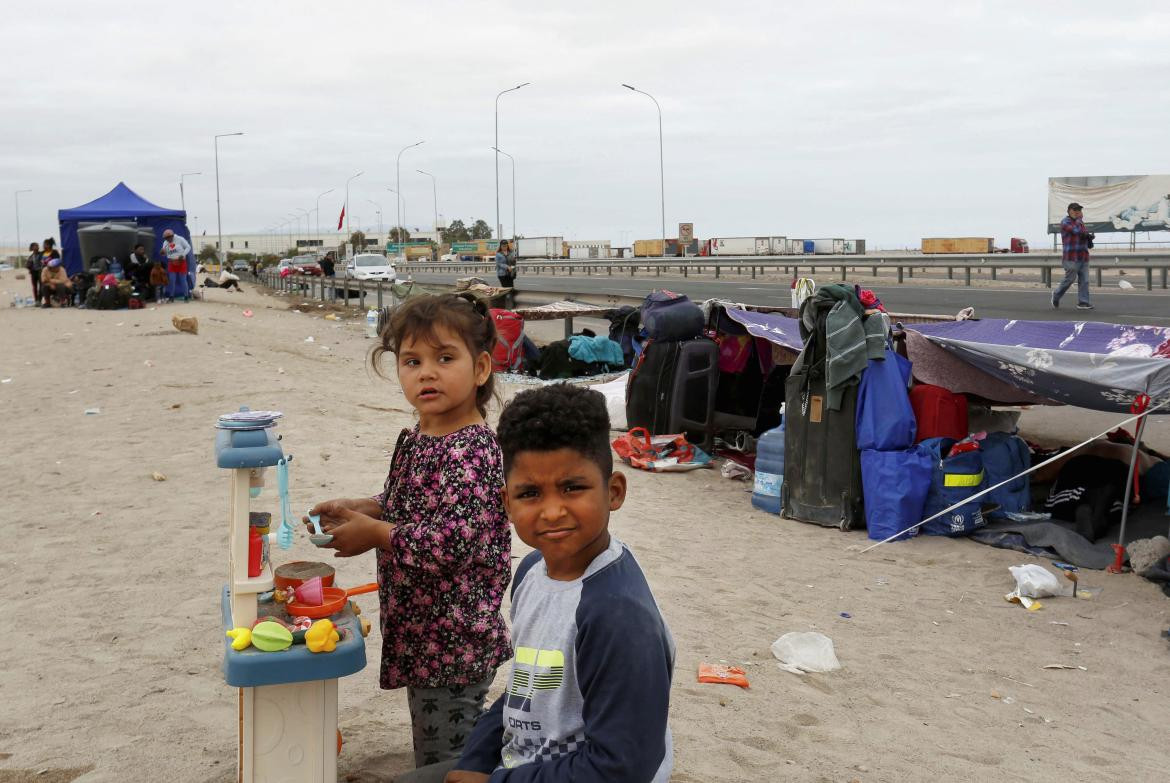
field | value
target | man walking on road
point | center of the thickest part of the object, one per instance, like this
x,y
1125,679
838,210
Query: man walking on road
x,y
1075,261
506,270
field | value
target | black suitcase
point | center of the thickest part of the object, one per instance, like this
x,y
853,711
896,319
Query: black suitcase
x,y
822,465
672,388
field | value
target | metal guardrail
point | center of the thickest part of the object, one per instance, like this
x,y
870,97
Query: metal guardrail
x,y
903,264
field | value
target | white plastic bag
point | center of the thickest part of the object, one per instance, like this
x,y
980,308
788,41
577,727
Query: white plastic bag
x,y
805,651
1034,581
615,400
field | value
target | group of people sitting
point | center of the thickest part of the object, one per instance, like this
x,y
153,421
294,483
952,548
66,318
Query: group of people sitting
x,y
110,283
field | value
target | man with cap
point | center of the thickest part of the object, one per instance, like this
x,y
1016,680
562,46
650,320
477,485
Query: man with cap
x,y
1076,240
175,249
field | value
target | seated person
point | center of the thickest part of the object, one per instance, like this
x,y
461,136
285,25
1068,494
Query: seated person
x,y
55,284
138,269
226,280
589,691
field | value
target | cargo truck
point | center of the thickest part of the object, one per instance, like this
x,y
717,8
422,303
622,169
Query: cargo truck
x,y
585,248
828,247
539,247
958,245
740,246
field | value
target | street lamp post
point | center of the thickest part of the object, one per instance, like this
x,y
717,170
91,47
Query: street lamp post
x,y
218,218
513,190
398,192
435,195
182,196
351,179
661,168
499,228
378,209
307,212
16,200
318,209
404,207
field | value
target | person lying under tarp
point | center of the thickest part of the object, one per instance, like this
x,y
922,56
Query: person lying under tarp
x,y
1089,485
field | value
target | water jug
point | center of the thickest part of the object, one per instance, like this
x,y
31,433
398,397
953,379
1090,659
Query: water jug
x,y
372,323
769,470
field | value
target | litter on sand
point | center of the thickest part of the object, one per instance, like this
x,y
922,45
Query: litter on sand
x,y
1063,666
805,651
92,411
720,674
158,476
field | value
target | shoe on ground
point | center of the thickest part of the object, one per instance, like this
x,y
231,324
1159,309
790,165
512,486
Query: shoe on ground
x,y
1084,306
1055,301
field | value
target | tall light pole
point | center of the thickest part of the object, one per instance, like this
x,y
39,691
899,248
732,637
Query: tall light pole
x,y
398,192
661,168
513,190
378,209
318,208
307,212
182,197
16,200
395,192
351,179
435,194
218,218
499,228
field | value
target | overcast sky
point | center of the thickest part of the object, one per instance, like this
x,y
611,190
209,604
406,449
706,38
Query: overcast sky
x,y
884,121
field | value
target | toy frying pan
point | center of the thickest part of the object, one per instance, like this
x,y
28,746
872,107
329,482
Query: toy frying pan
x,y
334,601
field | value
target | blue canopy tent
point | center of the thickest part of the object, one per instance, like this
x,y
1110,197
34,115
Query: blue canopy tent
x,y
121,203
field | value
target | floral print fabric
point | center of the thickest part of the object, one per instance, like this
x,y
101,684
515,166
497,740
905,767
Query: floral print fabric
x,y
449,563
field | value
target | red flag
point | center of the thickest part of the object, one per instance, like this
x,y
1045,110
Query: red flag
x,y
341,217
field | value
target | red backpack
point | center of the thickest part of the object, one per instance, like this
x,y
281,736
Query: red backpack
x,y
508,355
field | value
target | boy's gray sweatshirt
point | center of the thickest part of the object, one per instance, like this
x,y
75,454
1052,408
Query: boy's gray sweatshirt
x,y
589,691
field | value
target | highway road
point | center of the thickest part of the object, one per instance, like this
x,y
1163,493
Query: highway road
x,y
1112,305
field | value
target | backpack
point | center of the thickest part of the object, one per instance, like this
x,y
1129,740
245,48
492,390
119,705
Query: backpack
x,y
623,330
508,355
669,316
1005,456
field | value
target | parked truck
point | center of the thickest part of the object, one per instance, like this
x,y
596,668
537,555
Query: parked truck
x,y
740,246
539,247
580,249
958,245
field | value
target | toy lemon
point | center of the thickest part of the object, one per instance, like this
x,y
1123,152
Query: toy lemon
x,y
271,637
322,637
241,638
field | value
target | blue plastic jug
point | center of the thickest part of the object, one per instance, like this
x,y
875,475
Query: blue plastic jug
x,y
769,470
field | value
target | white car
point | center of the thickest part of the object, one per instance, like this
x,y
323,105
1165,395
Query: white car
x,y
5,267
370,266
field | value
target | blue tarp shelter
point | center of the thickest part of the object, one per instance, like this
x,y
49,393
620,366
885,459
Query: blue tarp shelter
x,y
121,203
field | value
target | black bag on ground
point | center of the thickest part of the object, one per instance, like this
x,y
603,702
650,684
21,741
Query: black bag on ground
x,y
822,465
672,388
670,316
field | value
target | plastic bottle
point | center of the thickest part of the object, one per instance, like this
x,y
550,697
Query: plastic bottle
x,y
769,469
372,323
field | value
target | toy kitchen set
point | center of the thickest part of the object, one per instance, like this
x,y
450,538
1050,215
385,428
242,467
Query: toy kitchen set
x,y
289,632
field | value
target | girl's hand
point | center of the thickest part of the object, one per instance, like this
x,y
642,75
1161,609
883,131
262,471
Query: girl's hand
x,y
330,510
463,776
355,533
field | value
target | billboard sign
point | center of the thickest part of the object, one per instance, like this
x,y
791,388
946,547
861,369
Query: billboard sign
x,y
1112,204
686,232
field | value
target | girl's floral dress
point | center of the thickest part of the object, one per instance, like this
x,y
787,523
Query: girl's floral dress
x,y
442,580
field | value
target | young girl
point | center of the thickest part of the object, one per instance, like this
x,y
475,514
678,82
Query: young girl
x,y
440,530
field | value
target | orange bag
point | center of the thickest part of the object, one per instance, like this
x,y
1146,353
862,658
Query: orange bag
x,y
637,448
718,673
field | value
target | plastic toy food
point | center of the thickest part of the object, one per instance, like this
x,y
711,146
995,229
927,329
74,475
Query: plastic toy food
x,y
322,637
271,637
241,638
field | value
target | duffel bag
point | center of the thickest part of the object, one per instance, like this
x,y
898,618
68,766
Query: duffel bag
x,y
895,485
954,477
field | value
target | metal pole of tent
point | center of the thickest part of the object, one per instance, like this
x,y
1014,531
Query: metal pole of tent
x,y
1137,440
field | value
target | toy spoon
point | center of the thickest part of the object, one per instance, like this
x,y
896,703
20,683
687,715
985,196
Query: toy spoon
x,y
320,539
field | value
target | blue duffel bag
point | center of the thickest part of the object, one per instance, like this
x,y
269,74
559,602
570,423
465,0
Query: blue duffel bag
x,y
885,420
1005,456
895,485
954,477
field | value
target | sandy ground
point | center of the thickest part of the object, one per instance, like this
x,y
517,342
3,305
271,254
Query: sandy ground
x,y
112,647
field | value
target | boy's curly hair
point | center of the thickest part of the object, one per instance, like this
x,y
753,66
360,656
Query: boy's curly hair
x,y
559,416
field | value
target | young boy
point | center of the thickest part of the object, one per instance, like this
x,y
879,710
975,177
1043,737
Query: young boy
x,y
589,690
